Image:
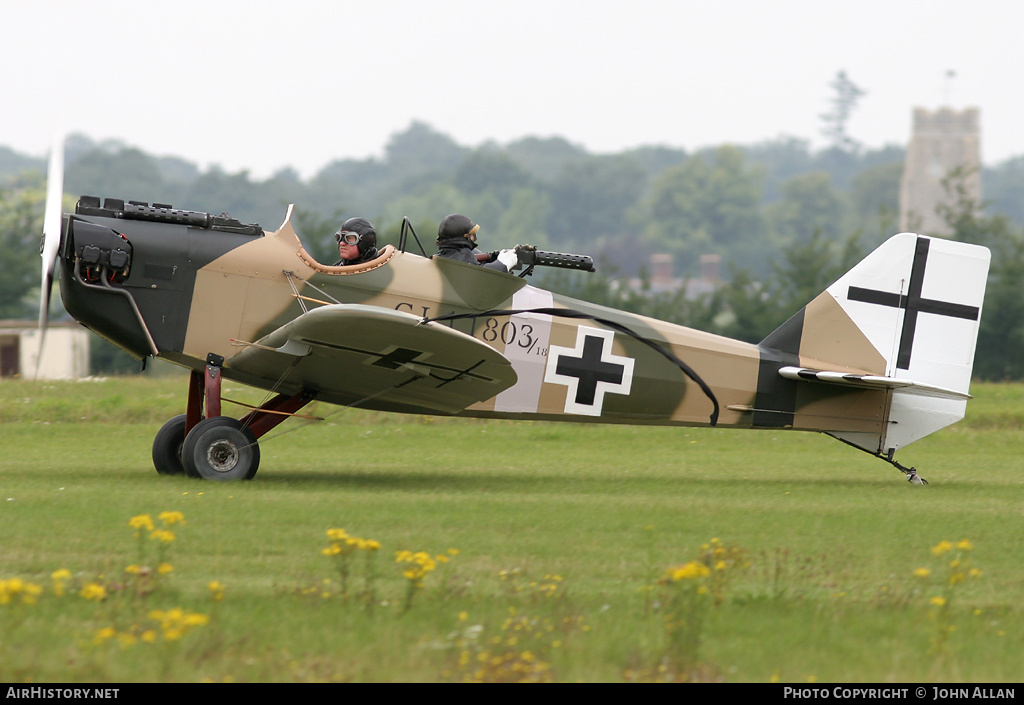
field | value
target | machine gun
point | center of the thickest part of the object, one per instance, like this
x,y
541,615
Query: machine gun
x,y
530,257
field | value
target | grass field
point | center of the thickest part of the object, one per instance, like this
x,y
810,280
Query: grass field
x,y
552,552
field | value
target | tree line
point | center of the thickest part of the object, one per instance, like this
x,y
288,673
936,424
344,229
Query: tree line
x,y
784,219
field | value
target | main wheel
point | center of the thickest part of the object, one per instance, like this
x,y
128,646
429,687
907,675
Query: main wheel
x,y
167,447
220,449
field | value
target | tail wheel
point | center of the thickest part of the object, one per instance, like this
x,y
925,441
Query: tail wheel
x,y
167,447
220,448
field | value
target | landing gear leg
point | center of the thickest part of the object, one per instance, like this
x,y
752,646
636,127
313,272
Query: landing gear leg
x,y
167,446
911,473
915,479
201,443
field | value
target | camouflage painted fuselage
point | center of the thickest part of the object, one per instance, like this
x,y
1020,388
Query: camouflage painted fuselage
x,y
193,291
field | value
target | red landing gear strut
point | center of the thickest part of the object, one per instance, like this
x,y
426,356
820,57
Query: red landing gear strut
x,y
204,444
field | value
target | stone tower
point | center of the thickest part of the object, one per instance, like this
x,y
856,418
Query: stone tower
x,y
945,147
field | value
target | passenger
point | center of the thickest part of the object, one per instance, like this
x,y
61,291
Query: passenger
x,y
456,239
357,241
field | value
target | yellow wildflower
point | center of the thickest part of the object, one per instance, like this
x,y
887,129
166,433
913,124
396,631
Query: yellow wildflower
x,y
420,564
942,547
94,592
693,570
176,622
216,589
938,601
922,573
102,635
171,518
142,521
16,587
162,535
964,545
59,577
195,619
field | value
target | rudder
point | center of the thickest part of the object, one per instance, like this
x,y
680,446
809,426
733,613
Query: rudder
x,y
906,319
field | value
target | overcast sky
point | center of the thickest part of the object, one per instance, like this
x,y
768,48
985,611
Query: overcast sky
x,y
263,85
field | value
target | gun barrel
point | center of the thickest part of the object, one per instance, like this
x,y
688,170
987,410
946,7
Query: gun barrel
x,y
563,260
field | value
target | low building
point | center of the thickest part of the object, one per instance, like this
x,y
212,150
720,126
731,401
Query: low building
x,y
65,353
663,280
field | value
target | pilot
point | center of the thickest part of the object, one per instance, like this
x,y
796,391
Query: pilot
x,y
456,239
357,241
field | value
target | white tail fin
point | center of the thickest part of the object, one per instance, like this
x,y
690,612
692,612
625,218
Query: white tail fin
x,y
917,302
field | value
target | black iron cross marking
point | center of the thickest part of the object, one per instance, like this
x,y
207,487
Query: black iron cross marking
x,y
913,303
590,369
396,358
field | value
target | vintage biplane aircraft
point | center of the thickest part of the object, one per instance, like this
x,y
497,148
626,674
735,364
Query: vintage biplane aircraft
x,y
880,359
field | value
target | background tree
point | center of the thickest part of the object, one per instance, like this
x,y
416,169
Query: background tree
x,y
810,206
492,171
845,94
128,173
708,204
590,201
1003,186
874,200
999,354
21,225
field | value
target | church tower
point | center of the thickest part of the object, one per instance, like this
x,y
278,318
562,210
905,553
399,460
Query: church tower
x,y
944,154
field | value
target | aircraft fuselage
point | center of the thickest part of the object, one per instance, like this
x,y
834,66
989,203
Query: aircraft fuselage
x,y
193,290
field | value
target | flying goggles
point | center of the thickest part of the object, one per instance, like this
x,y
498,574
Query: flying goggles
x,y
347,237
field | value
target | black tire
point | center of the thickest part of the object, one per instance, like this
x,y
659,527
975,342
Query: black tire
x,y
220,449
167,447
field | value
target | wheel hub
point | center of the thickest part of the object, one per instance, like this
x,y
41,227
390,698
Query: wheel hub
x,y
222,456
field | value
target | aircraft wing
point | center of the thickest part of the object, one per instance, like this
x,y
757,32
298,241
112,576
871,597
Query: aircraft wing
x,y
805,374
353,353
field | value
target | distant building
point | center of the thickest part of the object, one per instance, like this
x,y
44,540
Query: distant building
x,y
65,356
945,146
663,280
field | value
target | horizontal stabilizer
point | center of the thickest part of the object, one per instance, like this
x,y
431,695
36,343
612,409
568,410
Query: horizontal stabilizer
x,y
871,382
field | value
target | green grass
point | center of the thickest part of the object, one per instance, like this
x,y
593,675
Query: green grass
x,y
562,532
